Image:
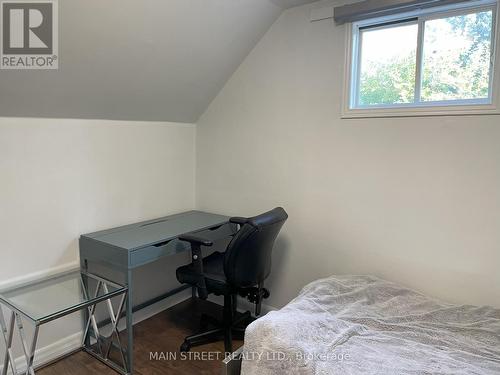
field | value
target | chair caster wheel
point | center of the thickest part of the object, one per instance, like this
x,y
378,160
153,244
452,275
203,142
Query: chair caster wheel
x,y
265,293
185,347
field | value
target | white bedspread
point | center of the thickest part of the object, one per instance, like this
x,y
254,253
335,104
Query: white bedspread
x,y
365,325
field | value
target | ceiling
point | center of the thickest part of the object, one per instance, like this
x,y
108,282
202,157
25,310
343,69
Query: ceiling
x,y
156,60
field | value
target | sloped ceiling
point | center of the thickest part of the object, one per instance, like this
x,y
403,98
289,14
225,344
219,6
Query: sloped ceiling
x,y
152,60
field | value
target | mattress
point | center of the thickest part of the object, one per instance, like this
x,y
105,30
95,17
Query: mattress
x,y
366,325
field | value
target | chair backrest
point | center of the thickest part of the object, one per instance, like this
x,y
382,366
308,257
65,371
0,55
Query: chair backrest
x,y
247,260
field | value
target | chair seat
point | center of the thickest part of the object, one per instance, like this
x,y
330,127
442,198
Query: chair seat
x,y
213,268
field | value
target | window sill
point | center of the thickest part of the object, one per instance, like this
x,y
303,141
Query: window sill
x,y
420,111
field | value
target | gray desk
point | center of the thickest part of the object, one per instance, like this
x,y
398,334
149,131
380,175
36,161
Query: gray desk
x,y
131,246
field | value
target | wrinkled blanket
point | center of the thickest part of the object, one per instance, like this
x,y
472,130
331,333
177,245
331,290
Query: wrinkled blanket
x,y
365,325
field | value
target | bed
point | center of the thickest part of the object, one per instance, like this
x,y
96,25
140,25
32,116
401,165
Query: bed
x,y
366,325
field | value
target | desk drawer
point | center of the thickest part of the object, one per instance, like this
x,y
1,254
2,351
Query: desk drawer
x,y
152,253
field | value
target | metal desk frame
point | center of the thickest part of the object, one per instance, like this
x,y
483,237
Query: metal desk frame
x,y
106,249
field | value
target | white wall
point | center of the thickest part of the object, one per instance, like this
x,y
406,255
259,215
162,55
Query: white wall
x,y
61,178
413,200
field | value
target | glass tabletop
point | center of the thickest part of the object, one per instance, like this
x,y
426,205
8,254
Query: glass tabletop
x,y
59,295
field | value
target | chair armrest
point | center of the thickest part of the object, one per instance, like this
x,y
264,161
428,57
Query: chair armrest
x,y
238,220
194,239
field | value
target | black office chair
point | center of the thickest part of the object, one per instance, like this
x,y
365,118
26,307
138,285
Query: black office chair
x,y
241,269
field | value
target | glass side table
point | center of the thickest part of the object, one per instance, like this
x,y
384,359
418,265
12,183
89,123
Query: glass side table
x,y
51,298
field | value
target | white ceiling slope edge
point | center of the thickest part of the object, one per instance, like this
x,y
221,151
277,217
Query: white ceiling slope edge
x,y
153,60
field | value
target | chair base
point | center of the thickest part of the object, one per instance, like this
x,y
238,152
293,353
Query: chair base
x,y
236,330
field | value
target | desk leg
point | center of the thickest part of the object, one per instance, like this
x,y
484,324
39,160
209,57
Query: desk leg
x,y
130,326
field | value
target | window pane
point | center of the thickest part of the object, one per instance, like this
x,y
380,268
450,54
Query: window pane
x,y
387,71
456,57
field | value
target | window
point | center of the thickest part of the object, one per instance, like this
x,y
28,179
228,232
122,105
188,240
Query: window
x,y
426,62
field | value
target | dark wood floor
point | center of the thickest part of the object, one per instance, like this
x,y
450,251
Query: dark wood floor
x,y
165,333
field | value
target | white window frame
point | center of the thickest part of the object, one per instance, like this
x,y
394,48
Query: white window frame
x,y
490,105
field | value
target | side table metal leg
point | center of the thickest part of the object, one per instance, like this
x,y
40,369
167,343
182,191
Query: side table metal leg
x,y
31,359
7,338
84,266
91,319
22,335
130,323
115,318
29,353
